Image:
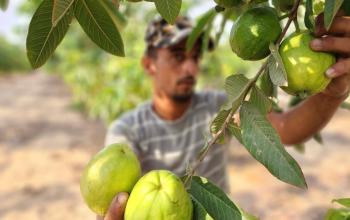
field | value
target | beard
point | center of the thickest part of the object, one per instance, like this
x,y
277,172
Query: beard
x,y
186,96
182,98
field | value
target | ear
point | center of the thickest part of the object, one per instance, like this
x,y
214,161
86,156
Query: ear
x,y
148,65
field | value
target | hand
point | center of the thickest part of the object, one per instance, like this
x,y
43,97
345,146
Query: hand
x,y
336,40
117,208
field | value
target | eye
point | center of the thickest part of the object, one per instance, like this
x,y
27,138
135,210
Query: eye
x,y
196,57
179,57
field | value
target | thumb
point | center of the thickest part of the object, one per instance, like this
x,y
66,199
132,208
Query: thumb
x,y
117,207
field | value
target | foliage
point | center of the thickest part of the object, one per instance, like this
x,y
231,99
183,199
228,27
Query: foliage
x,y
105,86
11,57
104,26
339,213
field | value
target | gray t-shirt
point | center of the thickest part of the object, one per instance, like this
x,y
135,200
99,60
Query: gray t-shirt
x,y
162,144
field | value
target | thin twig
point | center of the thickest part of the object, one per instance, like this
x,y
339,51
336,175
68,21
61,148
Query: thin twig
x,y
213,140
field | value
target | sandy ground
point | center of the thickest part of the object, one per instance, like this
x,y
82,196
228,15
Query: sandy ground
x,y
44,145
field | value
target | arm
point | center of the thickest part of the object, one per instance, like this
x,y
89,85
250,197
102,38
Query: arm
x,y
301,122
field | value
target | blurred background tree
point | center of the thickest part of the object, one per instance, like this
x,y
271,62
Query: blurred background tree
x,y
12,57
104,86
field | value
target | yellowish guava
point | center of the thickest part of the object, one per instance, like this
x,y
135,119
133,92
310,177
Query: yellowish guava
x,y
112,170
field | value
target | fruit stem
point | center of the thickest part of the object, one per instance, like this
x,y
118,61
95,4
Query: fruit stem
x,y
292,15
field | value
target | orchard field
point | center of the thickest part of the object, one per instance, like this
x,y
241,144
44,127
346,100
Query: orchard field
x,y
56,103
44,145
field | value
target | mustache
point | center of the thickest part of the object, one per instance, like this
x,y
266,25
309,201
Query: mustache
x,y
187,79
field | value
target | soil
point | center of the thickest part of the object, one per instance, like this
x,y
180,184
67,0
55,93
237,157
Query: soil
x,y
45,144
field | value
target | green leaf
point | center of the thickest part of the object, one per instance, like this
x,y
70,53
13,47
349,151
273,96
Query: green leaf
x,y
60,8
206,37
318,6
265,84
330,10
4,4
345,105
218,122
337,214
236,85
99,26
118,18
346,7
247,216
199,212
276,107
275,64
318,137
198,29
43,38
309,15
235,131
295,100
343,201
300,148
214,200
263,143
260,101
168,9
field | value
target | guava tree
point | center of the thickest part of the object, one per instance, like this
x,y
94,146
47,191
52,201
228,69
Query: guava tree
x,y
257,34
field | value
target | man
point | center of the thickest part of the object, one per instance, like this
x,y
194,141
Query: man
x,y
169,130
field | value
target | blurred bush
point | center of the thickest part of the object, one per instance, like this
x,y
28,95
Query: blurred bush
x,y
104,86
12,58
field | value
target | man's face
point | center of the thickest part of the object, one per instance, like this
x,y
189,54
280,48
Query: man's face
x,y
174,71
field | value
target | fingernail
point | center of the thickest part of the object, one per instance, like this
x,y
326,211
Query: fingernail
x,y
316,44
331,73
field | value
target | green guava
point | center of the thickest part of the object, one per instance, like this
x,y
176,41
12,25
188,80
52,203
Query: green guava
x,y
253,32
159,195
305,68
112,170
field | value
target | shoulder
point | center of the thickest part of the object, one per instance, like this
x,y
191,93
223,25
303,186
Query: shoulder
x,y
214,98
131,118
124,128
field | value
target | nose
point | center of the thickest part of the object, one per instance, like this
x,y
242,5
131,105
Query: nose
x,y
190,67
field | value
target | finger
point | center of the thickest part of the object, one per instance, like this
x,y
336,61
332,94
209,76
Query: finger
x,y
117,207
340,25
340,68
331,44
339,87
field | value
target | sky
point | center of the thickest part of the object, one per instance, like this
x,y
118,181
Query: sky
x,y
9,20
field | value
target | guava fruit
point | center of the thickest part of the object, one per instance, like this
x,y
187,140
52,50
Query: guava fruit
x,y
159,195
112,170
253,32
305,68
